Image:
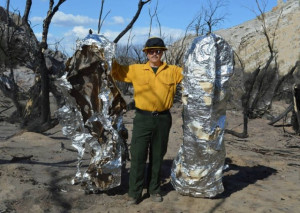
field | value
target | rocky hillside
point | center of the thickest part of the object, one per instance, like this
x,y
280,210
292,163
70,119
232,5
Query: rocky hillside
x,y
250,44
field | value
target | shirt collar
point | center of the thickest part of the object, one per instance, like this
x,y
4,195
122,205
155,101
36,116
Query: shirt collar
x,y
148,67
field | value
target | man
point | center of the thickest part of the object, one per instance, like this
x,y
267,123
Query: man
x,y
154,86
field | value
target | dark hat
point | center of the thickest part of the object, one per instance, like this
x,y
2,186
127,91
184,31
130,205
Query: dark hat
x,y
155,43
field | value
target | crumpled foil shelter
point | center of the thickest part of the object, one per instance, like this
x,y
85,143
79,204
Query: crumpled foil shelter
x,y
197,169
92,114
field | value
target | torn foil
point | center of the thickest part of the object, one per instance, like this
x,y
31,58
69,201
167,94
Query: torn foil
x,y
197,169
92,114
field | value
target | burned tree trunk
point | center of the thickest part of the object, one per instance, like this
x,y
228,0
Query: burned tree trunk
x,y
27,11
296,111
45,105
92,114
129,26
262,84
20,47
294,106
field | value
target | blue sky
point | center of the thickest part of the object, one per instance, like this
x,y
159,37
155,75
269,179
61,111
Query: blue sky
x,y
76,17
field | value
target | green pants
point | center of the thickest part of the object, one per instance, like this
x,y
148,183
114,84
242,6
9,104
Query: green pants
x,y
149,133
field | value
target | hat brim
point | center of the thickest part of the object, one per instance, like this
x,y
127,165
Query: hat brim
x,y
149,48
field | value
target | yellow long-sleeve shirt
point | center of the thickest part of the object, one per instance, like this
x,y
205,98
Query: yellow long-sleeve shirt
x,y
152,91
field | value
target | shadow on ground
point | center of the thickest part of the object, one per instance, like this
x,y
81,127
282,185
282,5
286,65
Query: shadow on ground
x,y
243,176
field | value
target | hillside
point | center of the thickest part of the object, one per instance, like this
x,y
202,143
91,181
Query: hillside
x,y
250,44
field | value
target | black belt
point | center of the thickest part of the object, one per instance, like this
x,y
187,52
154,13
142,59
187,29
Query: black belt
x,y
152,113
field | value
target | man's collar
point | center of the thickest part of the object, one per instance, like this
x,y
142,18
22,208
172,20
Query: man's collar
x,y
148,67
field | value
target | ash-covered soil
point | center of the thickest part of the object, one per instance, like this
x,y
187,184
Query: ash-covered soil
x,y
263,174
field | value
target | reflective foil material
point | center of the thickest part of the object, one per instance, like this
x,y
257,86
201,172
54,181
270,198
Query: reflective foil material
x,y
108,48
197,169
92,115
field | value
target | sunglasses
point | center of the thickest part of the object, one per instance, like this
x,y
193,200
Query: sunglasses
x,y
151,52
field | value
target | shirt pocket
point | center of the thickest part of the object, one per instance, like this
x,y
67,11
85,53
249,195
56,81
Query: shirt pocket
x,y
166,85
166,80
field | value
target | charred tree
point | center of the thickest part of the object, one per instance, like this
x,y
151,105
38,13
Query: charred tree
x,y
45,105
27,11
13,34
129,26
293,106
100,21
8,37
296,110
258,82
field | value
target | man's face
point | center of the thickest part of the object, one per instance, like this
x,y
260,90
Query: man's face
x,y
154,55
